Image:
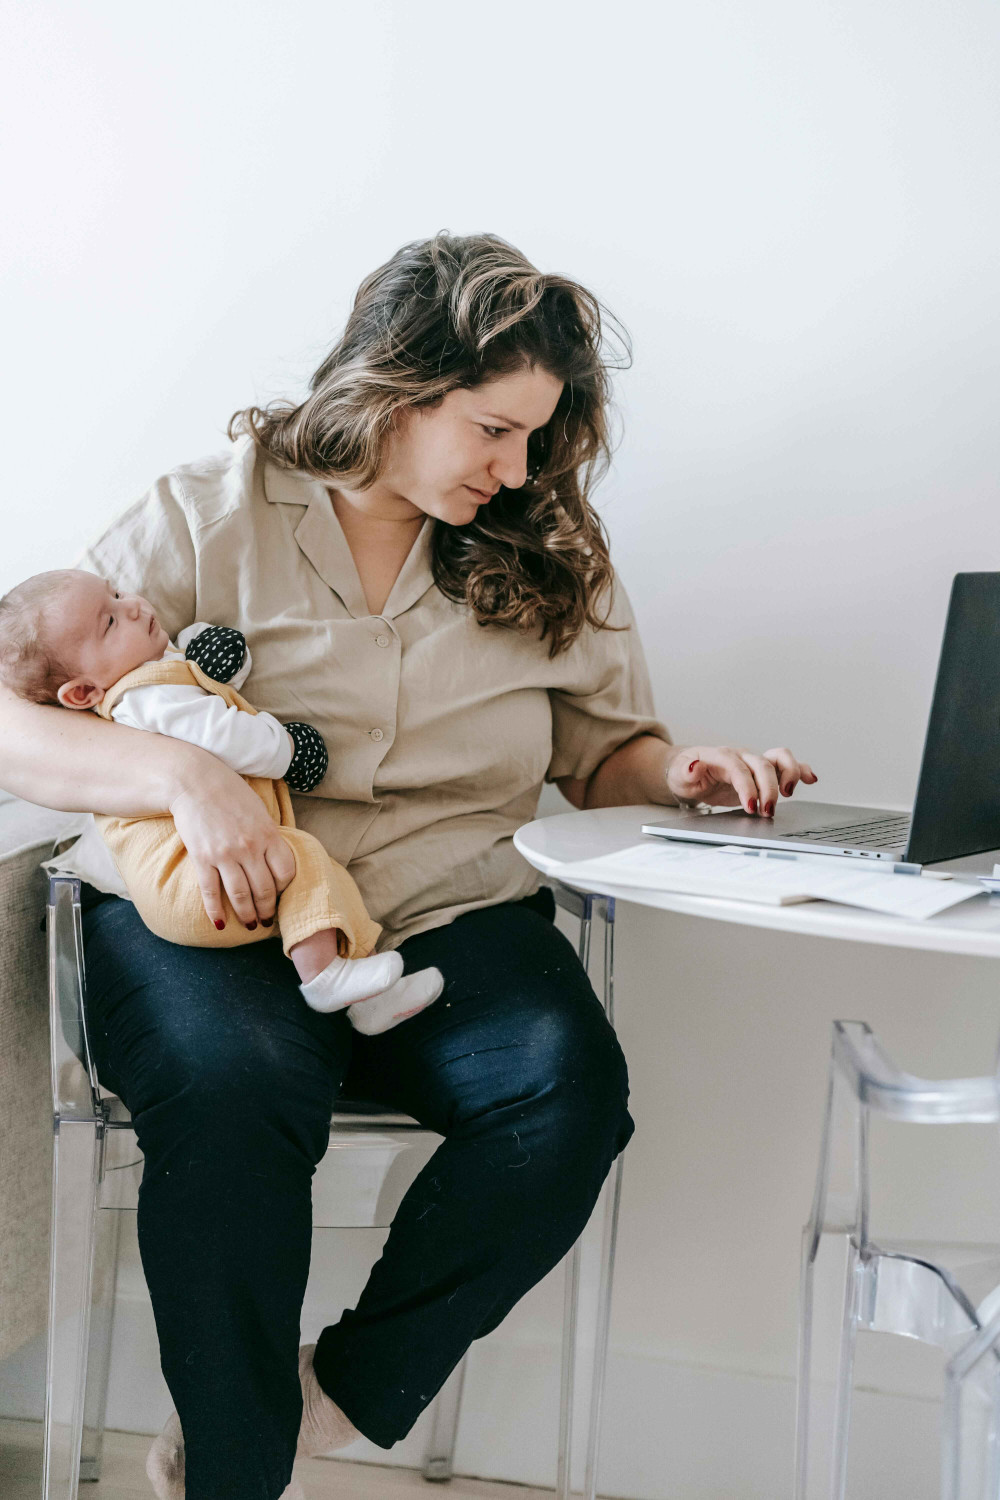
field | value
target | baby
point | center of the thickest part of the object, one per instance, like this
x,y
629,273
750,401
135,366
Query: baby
x,y
68,637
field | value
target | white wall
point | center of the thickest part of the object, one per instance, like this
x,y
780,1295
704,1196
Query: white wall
x,y
793,208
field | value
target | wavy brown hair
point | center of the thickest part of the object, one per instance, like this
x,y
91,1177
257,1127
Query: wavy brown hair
x,y
453,312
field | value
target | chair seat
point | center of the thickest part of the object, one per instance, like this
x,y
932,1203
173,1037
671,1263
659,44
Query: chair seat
x,y
346,1113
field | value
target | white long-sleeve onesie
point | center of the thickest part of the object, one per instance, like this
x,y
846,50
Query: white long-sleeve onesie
x,y
252,744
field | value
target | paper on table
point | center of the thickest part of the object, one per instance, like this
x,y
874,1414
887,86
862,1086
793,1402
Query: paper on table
x,y
680,867
737,876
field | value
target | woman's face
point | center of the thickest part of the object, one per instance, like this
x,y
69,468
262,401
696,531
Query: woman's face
x,y
448,461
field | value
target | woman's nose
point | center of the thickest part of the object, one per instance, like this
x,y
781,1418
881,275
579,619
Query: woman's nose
x,y
511,469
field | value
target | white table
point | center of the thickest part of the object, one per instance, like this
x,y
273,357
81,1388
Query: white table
x,y
973,928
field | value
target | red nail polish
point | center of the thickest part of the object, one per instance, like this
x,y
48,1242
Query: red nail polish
x,y
251,925
692,765
752,805
769,810
267,921
219,923
787,789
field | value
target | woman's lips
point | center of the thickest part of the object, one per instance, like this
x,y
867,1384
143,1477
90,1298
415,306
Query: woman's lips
x,y
479,494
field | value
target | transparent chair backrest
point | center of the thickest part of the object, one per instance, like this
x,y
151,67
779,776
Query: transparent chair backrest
x,y
864,1080
876,1082
75,1093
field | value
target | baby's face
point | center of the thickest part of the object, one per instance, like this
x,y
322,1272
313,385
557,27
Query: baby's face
x,y
103,633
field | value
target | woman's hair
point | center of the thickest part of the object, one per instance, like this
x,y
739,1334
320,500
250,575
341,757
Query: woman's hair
x,y
451,313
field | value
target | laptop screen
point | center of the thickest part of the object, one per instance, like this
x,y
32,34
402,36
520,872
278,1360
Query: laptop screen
x,y
957,810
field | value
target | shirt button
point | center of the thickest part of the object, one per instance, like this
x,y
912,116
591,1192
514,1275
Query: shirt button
x,y
376,734
381,640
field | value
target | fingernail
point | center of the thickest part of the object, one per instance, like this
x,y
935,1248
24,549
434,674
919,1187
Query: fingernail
x,y
267,921
752,805
787,789
219,922
692,765
251,925
769,810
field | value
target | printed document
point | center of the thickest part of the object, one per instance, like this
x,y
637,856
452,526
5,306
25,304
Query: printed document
x,y
775,880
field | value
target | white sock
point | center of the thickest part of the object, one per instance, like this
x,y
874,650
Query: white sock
x,y
408,995
345,980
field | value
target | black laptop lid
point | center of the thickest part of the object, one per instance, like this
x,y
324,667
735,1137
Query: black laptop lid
x,y
957,810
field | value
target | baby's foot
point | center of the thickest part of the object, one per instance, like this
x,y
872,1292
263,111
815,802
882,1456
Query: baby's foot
x,y
412,993
345,980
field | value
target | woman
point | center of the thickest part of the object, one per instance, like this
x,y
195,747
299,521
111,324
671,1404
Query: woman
x,y
414,559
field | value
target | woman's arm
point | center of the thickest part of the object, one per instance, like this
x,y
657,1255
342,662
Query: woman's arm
x,y
76,762
80,763
647,769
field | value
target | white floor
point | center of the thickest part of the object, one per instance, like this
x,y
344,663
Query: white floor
x,y
124,1475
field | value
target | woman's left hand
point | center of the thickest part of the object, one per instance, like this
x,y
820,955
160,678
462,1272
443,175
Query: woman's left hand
x,y
727,776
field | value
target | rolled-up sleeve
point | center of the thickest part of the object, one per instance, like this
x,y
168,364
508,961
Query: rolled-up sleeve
x,y
607,699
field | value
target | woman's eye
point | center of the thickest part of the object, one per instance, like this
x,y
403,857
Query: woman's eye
x,y
494,431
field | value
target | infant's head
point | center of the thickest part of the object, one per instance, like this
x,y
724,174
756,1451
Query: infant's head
x,y
67,636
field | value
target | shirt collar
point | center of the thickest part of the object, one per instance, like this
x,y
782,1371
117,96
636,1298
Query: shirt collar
x,y
320,536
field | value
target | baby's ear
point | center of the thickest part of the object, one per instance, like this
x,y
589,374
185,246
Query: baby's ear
x,y
80,692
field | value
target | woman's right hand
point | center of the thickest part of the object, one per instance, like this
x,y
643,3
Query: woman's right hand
x,y
233,844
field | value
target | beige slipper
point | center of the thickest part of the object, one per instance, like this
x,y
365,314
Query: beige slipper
x,y
165,1465
324,1426
165,1461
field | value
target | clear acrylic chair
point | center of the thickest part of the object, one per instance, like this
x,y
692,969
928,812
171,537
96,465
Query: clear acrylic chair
x,y
944,1294
374,1155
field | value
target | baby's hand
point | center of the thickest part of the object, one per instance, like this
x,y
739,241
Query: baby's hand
x,y
310,761
218,651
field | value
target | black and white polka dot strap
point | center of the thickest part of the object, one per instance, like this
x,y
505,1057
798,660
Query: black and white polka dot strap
x,y
310,761
218,651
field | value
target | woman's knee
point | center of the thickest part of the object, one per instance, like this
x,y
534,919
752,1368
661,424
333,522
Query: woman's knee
x,y
571,1059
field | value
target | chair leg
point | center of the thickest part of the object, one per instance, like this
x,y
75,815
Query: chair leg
x,y
439,1465
970,1448
603,1328
606,908
76,1165
828,1320
571,1302
102,1314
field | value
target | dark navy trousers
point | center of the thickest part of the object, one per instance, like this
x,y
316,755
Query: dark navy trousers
x,y
230,1079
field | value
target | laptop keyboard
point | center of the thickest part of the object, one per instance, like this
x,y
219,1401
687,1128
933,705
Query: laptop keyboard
x,y
879,833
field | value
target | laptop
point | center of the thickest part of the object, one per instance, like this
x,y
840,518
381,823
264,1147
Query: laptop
x,y
957,811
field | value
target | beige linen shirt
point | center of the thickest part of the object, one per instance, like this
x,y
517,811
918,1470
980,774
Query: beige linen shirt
x,y
440,731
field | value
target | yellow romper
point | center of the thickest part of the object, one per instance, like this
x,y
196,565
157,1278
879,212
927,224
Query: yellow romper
x,y
160,877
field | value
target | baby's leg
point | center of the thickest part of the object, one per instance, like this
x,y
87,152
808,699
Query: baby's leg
x,y
322,917
330,982
312,955
163,886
